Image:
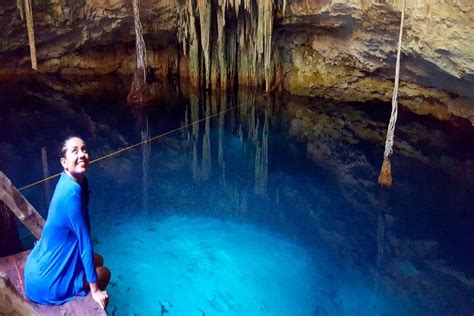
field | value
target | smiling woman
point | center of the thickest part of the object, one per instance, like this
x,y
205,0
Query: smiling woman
x,y
62,265
75,158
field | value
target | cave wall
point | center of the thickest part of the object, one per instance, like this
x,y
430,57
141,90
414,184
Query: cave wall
x,y
344,50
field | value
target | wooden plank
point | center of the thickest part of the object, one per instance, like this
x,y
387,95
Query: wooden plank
x,y
13,270
19,206
11,302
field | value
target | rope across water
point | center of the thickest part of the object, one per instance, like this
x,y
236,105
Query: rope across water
x,y
114,153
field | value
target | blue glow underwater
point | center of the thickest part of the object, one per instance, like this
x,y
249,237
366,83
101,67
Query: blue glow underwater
x,y
269,209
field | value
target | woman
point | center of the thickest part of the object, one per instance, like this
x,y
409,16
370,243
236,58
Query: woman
x,y
62,264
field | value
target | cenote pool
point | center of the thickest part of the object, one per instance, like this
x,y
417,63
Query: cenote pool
x,y
269,208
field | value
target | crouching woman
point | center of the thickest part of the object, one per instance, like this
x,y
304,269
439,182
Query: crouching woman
x,y
62,265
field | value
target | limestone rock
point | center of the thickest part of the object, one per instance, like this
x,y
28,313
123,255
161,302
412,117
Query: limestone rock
x,y
347,52
343,50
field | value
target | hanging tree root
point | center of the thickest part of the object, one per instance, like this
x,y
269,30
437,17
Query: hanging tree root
x,y
139,92
385,177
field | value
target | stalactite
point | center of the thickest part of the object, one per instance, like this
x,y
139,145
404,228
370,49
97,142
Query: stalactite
x,y
215,73
204,7
235,5
241,45
221,40
31,33
248,57
194,43
19,6
139,92
183,31
231,46
267,40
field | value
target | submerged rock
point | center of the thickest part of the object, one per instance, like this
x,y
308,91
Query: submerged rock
x,y
165,306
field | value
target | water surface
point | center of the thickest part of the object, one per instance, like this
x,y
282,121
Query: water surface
x,y
271,208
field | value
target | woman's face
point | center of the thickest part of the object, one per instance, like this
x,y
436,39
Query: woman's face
x,y
76,158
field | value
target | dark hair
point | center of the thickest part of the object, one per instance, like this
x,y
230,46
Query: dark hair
x,y
62,153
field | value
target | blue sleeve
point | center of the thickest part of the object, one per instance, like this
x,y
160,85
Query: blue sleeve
x,y
79,226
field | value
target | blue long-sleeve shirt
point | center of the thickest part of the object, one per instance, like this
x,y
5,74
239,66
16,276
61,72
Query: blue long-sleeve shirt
x,y
55,268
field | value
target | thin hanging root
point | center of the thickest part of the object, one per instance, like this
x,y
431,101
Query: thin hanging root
x,y
31,33
139,93
385,177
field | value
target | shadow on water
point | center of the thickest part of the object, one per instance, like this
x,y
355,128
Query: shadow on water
x,y
300,168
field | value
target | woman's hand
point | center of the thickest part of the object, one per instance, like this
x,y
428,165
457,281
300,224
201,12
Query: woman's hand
x,y
99,296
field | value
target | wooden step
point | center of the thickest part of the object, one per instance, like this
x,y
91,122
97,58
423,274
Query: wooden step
x,y
13,268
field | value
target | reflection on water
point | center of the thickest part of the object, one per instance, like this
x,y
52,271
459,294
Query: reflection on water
x,y
257,136
46,185
143,129
303,168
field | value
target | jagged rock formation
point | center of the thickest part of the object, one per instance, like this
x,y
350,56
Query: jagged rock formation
x,y
241,46
347,52
332,49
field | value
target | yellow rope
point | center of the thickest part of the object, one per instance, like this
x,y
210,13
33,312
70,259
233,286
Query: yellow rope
x,y
150,139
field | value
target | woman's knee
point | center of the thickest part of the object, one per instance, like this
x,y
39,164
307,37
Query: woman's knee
x,y
103,277
98,260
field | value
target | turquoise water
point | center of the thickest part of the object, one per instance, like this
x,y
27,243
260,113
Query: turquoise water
x,y
269,209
